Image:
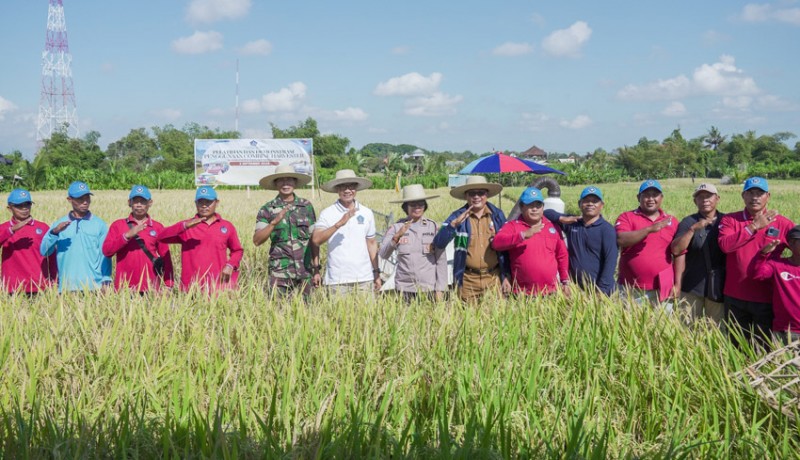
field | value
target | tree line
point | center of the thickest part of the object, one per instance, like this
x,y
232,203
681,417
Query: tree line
x,y
163,157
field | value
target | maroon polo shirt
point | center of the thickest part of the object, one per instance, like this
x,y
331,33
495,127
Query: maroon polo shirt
x,y
23,266
134,267
640,264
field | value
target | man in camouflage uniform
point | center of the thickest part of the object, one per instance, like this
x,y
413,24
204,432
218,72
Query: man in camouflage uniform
x,y
287,222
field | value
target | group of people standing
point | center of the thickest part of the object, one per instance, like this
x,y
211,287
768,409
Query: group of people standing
x,y
661,261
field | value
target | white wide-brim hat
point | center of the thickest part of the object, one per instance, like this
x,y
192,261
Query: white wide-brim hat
x,y
476,183
414,192
346,176
268,182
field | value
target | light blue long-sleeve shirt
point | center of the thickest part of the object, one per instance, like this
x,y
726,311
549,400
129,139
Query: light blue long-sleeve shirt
x,y
79,254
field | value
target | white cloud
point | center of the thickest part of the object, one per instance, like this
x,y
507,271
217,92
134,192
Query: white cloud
x,y
410,84
350,114
401,50
258,47
722,78
215,10
766,12
286,99
567,42
198,43
168,114
6,106
251,106
513,49
535,121
579,122
434,105
674,109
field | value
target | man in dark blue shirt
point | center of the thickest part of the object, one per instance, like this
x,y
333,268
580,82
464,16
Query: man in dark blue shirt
x,y
591,242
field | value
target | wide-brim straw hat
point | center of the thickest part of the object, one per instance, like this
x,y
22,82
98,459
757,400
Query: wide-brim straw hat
x,y
346,176
268,182
414,192
476,183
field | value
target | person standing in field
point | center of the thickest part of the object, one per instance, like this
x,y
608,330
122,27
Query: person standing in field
x,y
421,267
783,275
742,234
77,240
477,267
592,242
538,255
23,267
210,247
644,236
349,229
287,221
698,256
143,263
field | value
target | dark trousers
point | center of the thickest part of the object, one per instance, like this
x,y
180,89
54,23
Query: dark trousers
x,y
753,319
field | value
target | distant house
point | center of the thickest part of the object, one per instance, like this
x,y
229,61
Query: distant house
x,y
534,153
417,154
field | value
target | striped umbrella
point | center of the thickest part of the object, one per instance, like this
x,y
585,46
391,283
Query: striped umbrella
x,y
499,162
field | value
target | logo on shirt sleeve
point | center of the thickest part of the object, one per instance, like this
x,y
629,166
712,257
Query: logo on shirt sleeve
x,y
552,230
786,276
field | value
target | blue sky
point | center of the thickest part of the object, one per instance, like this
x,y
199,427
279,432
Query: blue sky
x,y
468,75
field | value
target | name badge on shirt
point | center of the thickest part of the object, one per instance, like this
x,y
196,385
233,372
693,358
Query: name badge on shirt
x,y
403,240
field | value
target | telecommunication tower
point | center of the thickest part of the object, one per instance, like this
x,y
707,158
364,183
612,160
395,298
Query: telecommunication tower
x,y
57,109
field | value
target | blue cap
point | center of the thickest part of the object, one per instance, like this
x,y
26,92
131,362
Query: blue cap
x,y
140,190
205,193
19,196
591,190
530,195
78,189
650,183
756,182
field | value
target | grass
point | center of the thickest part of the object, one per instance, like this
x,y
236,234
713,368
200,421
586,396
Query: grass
x,y
250,376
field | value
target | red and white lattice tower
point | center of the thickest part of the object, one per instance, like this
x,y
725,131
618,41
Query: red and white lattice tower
x,y
57,109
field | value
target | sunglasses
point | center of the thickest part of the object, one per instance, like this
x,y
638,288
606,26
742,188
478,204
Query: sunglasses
x,y
477,193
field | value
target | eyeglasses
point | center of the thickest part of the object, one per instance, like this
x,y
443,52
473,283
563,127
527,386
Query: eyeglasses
x,y
342,187
477,193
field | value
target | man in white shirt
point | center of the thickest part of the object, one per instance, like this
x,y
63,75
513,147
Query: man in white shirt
x,y
349,229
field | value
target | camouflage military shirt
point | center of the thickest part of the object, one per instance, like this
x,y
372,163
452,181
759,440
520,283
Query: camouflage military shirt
x,y
289,253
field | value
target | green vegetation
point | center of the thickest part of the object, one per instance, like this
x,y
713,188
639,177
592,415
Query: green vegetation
x,y
250,376
165,155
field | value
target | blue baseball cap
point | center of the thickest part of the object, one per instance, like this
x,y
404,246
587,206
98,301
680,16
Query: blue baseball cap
x,y
205,193
650,183
140,190
78,189
591,190
19,196
756,182
530,195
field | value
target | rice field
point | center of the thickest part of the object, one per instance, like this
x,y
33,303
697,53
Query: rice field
x,y
247,375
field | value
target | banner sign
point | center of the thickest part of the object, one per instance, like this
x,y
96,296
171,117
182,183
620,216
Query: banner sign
x,y
246,161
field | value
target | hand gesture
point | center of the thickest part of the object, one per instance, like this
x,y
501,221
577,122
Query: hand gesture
x,y
351,211
281,214
660,225
194,221
568,220
135,230
770,247
16,227
533,230
399,234
225,274
763,219
703,223
60,227
461,218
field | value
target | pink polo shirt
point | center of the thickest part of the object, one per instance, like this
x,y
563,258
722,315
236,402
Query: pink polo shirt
x,y
740,245
535,261
784,279
23,267
133,265
205,250
640,264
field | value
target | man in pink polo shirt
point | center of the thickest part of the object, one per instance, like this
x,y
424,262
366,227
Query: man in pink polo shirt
x,y
24,269
644,236
783,275
742,234
143,263
210,247
539,259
